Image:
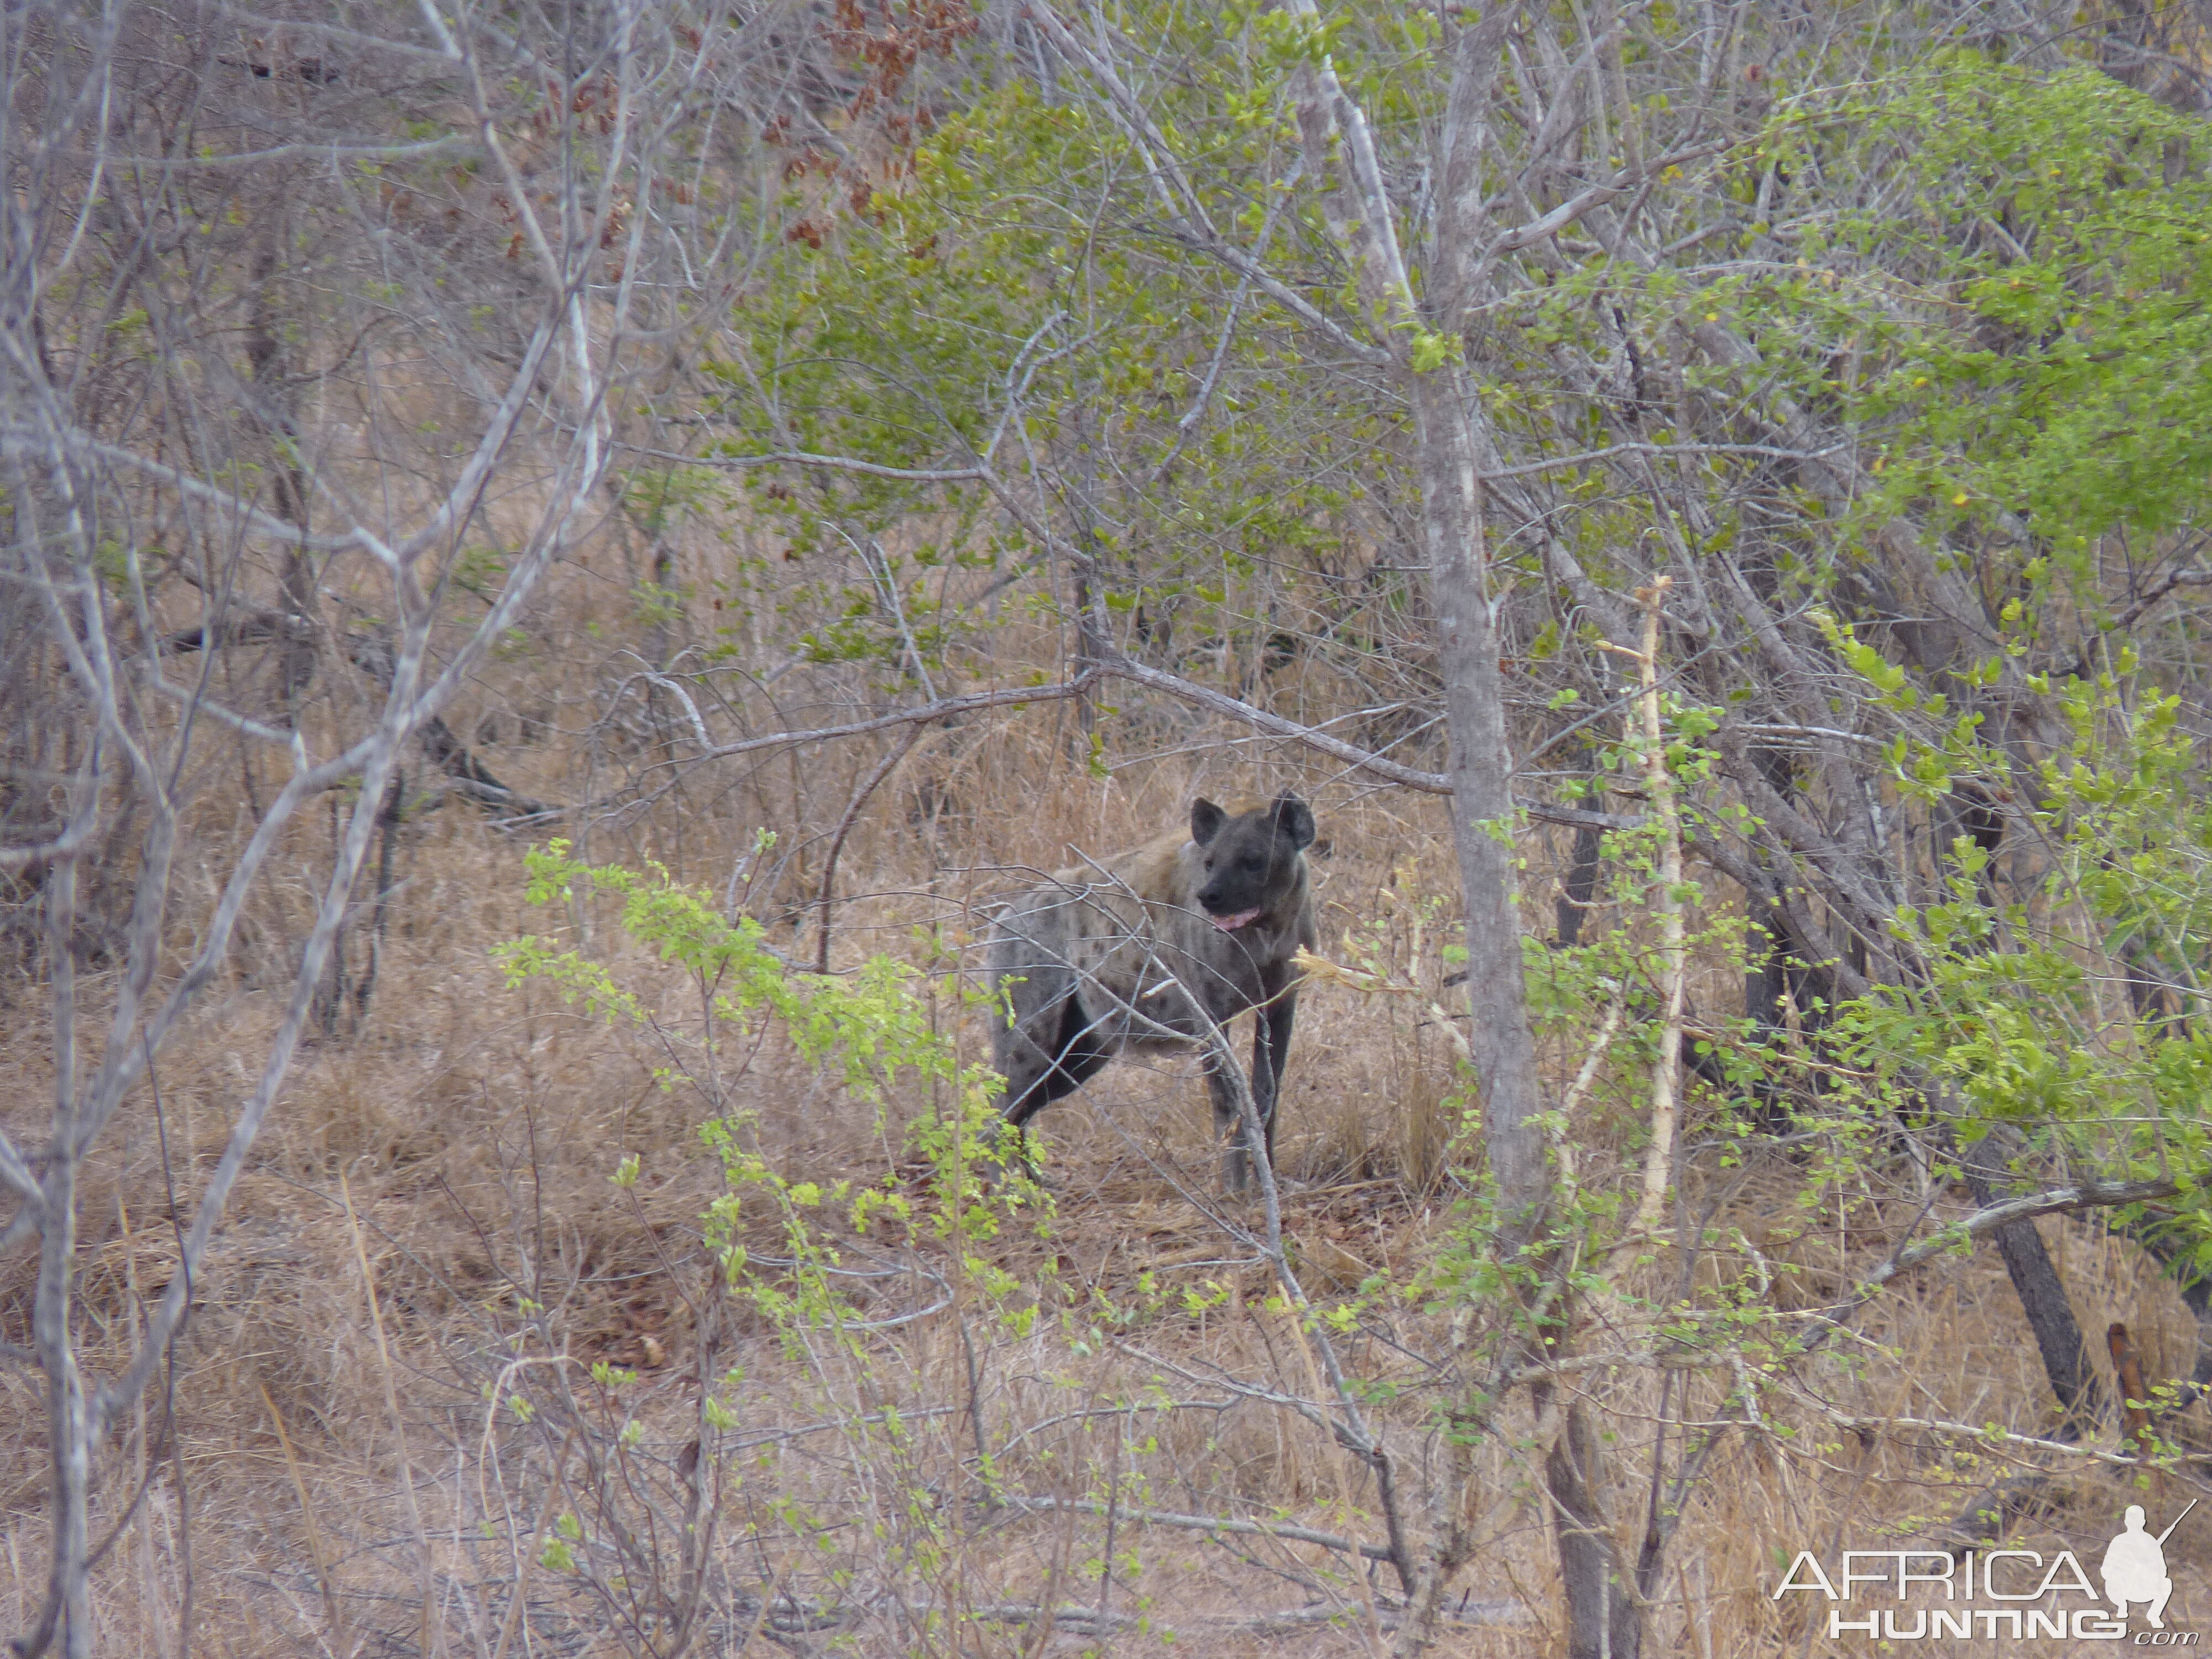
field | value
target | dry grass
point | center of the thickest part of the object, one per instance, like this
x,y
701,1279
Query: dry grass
x,y
458,1146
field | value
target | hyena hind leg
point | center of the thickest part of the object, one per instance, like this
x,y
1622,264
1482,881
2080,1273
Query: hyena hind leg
x,y
1050,1049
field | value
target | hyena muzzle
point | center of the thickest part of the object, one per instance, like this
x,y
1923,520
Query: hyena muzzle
x,y
1142,951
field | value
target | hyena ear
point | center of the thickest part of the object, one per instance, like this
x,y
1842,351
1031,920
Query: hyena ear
x,y
1206,821
1294,819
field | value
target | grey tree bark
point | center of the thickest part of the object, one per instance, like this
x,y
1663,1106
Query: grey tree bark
x,y
92,480
1426,341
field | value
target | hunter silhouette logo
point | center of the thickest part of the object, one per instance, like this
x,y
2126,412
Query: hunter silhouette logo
x,y
2134,1568
2015,1593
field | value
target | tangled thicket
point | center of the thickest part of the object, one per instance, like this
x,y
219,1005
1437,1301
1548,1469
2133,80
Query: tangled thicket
x,y
558,559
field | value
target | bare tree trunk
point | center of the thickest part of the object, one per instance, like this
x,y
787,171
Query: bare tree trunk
x,y
1603,1620
2042,1294
389,818
1579,890
67,1610
1449,446
1481,768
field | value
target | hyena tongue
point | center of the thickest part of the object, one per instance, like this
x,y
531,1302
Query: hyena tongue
x,y
1230,924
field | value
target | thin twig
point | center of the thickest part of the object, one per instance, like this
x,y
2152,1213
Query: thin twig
x,y
319,1555
425,1571
824,900
1327,1540
545,1508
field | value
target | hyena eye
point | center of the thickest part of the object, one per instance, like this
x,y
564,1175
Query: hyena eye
x,y
1251,861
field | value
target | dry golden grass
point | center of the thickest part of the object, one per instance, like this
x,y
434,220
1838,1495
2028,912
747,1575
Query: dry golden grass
x,y
450,1155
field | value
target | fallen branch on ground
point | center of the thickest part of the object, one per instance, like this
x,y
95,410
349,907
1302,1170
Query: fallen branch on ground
x,y
1204,1523
1088,1621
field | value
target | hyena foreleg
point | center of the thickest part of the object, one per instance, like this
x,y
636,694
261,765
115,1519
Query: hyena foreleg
x,y
1231,1093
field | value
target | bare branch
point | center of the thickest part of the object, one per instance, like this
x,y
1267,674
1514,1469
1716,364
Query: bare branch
x,y
827,464
1327,1540
2058,1201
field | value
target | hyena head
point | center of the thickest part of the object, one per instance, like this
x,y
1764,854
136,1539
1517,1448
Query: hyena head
x,y
1251,860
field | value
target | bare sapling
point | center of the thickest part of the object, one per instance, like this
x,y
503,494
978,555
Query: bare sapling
x,y
1647,736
